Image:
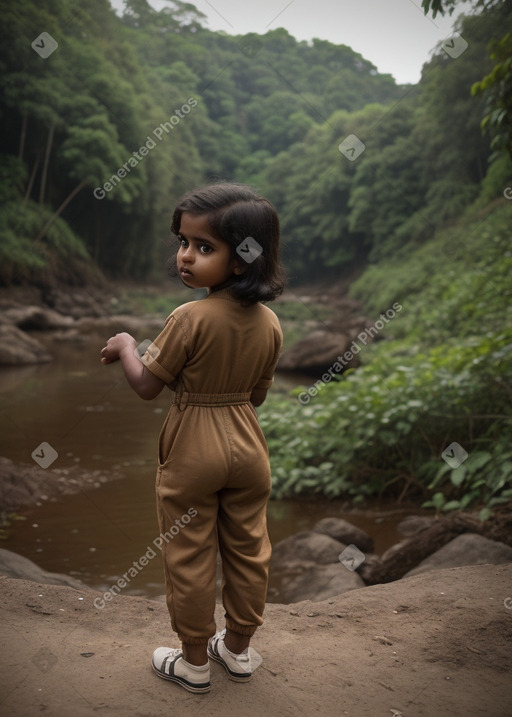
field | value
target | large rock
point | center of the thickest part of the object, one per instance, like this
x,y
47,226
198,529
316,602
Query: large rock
x,y
16,566
308,546
79,303
37,318
413,524
345,532
20,349
317,351
368,566
302,580
466,549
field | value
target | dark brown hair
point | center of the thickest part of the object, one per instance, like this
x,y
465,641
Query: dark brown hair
x,y
236,212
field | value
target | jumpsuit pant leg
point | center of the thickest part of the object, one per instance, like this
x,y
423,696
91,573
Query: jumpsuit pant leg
x,y
190,563
242,527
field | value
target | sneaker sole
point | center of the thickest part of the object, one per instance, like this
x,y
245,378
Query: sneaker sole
x,y
181,681
235,676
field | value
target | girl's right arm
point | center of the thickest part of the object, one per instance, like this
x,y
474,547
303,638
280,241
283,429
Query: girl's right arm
x,y
123,347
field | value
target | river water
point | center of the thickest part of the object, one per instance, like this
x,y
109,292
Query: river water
x,y
87,413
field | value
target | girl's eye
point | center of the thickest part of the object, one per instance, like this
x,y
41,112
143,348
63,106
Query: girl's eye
x,y
183,242
206,249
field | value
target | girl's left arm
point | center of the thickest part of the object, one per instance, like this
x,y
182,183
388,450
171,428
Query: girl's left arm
x,y
123,347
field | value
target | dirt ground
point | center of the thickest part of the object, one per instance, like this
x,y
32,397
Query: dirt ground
x,y
435,644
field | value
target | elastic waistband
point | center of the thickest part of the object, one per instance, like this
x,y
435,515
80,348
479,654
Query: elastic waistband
x,y
183,399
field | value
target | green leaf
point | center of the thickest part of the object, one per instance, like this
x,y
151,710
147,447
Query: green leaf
x,y
457,476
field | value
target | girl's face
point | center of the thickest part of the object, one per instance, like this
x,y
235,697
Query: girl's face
x,y
203,261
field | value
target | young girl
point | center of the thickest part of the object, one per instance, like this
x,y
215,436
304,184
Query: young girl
x,y
218,355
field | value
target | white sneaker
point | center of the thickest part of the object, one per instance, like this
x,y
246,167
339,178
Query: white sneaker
x,y
169,664
238,667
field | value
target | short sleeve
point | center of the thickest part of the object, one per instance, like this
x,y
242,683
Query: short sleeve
x,y
168,353
267,377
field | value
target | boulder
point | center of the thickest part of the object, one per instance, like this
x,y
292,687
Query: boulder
x,y
305,580
345,532
37,318
308,546
413,524
465,549
78,303
316,352
370,564
16,566
20,349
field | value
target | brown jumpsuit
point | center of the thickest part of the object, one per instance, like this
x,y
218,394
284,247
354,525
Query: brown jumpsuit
x,y
213,478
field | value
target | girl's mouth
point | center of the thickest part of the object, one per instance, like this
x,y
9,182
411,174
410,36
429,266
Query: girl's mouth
x,y
185,272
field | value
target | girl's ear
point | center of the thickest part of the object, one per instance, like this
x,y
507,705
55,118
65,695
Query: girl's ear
x,y
239,269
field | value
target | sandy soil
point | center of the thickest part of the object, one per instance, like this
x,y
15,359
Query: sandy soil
x,y
435,644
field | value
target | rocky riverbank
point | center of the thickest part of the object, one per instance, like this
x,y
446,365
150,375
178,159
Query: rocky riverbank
x,y
30,320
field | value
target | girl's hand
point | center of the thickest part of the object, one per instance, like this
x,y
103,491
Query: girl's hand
x,y
115,346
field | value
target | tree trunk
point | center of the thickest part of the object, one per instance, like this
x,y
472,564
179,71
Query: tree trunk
x,y
23,136
49,143
59,211
32,177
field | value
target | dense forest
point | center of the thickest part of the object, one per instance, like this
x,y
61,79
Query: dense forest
x,y
103,134
108,119
162,103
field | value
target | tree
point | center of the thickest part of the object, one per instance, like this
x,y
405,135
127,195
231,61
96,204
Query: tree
x,y
497,85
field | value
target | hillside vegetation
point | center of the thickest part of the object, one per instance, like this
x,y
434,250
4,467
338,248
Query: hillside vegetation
x,y
102,136
438,373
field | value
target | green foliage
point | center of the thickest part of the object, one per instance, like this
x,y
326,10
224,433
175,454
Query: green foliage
x,y
60,257
93,103
497,88
270,111
380,430
440,373
465,270
422,166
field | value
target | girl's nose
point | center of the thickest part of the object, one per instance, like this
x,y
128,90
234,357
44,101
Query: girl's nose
x,y
187,254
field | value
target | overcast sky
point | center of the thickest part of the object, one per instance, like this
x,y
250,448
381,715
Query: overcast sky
x,y
394,35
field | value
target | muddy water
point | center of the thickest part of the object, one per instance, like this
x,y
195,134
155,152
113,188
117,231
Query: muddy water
x,y
89,416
